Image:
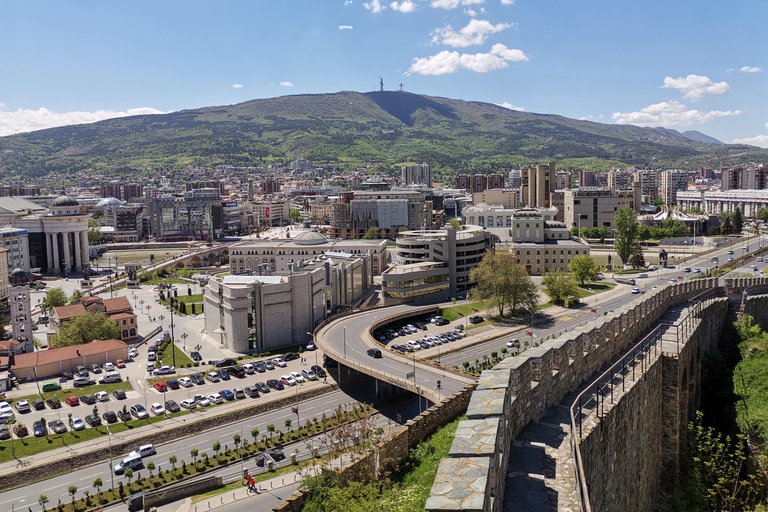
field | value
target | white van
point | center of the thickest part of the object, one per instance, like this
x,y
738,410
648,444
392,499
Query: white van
x,y
132,461
111,377
249,368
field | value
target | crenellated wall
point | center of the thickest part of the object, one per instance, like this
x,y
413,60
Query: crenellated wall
x,y
520,389
757,307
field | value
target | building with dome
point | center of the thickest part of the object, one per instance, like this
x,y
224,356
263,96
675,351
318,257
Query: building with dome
x,y
247,257
57,235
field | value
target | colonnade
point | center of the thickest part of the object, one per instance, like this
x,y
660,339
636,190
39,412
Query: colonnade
x,y
74,241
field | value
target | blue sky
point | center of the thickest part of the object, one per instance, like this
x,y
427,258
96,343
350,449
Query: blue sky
x,y
683,64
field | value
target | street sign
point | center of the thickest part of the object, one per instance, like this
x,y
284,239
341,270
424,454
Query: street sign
x,y
410,375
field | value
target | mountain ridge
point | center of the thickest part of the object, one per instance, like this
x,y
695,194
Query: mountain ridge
x,y
351,129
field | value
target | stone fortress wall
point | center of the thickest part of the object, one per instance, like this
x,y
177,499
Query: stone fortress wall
x,y
519,390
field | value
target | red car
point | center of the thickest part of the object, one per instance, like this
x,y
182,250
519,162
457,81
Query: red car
x,y
161,387
73,401
120,363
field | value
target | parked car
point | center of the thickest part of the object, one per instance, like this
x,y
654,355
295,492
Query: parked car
x,y
287,380
297,376
138,411
67,375
119,394
82,382
224,374
188,403
108,367
236,371
260,367
318,371
164,370
93,420
186,382
38,429
197,379
223,363
475,319
195,355
75,423
290,356
51,386
171,406
249,368
20,430
119,363
274,454
227,394
215,398
23,406
5,433
38,404
252,391
53,403
239,393
81,371
269,365
123,414
310,346
308,375
329,362
151,356
374,352
202,401
73,401
161,387
133,353
110,417
157,409
275,384
95,368
278,361
262,386
57,426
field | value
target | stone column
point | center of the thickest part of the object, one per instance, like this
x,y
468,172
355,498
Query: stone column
x,y
66,252
55,239
49,250
86,253
78,248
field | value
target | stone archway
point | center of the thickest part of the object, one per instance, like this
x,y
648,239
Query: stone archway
x,y
178,265
195,261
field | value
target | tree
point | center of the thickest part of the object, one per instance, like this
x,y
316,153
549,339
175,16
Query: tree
x,y
270,429
172,459
97,484
129,475
94,232
194,452
54,298
644,232
627,241
72,491
559,285
85,328
575,231
762,214
150,468
584,267
658,201
455,224
504,282
236,439
288,423
372,233
296,215
216,448
738,221
75,297
42,500
255,434
603,233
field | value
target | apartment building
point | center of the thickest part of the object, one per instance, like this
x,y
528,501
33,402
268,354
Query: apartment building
x,y
537,184
671,182
596,207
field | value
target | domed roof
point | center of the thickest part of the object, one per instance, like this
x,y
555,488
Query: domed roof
x,y
310,238
108,201
64,200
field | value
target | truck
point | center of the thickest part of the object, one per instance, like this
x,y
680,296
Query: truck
x,y
621,280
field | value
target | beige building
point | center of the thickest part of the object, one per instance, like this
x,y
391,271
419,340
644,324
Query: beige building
x,y
277,254
43,364
537,183
597,207
257,313
5,287
506,197
117,309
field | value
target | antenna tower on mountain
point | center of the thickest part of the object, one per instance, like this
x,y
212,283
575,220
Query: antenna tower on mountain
x,y
381,84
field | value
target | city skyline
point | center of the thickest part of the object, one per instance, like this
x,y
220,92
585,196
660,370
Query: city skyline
x,y
678,65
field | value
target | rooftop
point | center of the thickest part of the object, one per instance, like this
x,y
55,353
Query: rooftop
x,y
53,355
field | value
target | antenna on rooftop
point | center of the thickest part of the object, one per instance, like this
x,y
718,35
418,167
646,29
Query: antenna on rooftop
x,y
381,84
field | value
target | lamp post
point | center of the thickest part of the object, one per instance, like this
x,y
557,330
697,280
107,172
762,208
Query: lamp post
x,y
111,471
13,506
173,348
313,343
162,317
184,337
532,313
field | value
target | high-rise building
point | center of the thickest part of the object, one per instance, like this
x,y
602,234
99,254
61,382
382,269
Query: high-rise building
x,y
591,207
515,181
706,173
478,182
562,180
537,183
270,186
122,191
417,174
671,182
587,179
619,179
741,178
648,184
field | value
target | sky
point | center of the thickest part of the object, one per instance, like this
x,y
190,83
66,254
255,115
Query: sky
x,y
683,64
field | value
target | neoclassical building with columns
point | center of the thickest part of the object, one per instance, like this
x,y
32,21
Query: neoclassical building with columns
x,y
58,235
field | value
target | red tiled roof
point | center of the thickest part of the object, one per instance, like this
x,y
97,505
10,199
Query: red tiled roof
x,y
67,312
65,353
117,304
88,300
121,316
8,344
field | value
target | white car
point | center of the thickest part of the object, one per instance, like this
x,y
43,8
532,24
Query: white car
x,y
75,423
108,367
186,382
697,271
157,409
188,404
288,380
249,368
164,370
133,353
215,398
22,406
203,401
415,345
635,290
297,376
102,396
278,361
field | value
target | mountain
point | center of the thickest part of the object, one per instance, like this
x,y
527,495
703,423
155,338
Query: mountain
x,y
698,136
350,129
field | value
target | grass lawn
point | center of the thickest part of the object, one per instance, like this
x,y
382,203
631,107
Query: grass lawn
x,y
458,312
170,280
166,356
62,394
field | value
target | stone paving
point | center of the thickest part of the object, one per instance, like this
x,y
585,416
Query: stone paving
x,y
541,471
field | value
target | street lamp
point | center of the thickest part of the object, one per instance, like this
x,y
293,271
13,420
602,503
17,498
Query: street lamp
x,y
13,506
184,337
173,348
532,313
313,343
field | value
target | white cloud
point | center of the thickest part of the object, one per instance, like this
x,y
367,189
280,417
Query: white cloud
x,y
470,12
237,86
452,4
507,2
729,70
404,6
348,2
750,69
695,87
760,141
374,6
28,120
450,62
345,27
669,114
511,106
286,84
476,32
